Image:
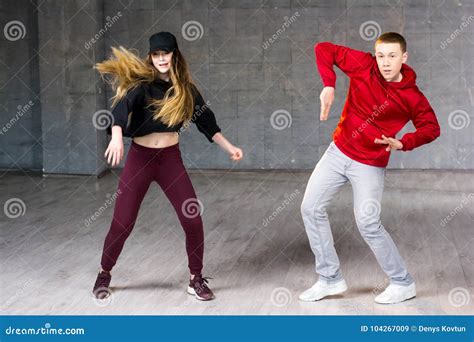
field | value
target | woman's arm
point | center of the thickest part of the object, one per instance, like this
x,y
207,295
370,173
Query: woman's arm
x,y
205,121
235,153
115,150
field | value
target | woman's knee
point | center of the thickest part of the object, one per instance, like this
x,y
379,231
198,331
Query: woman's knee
x,y
192,224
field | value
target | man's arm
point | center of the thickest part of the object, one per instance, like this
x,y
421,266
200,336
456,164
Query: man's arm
x,y
426,124
350,61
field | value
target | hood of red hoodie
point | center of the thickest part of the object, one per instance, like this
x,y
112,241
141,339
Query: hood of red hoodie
x,y
408,80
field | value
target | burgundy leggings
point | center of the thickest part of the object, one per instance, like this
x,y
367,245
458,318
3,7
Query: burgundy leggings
x,y
165,166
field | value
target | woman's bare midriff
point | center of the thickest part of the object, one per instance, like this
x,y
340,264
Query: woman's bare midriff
x,y
158,140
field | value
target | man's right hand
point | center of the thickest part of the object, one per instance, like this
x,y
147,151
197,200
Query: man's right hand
x,y
327,99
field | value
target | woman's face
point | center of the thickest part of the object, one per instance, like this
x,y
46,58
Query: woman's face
x,y
162,60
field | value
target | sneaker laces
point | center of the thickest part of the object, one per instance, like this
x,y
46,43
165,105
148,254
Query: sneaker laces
x,y
201,283
103,279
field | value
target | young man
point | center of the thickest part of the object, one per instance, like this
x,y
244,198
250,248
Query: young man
x,y
382,98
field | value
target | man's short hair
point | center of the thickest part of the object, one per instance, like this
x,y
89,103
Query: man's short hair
x,y
392,37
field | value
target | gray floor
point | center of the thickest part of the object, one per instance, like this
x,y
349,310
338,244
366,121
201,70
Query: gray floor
x,y
50,256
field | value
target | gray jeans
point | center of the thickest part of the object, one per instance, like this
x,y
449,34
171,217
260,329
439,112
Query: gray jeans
x,y
333,170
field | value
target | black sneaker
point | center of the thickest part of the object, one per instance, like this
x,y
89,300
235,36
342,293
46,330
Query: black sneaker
x,y
101,287
198,287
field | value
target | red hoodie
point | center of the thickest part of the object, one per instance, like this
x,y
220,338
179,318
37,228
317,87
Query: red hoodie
x,y
374,106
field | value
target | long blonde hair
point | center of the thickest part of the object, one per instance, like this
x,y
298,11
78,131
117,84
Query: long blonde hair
x,y
128,70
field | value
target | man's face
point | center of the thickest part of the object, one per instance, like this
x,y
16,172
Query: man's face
x,y
390,58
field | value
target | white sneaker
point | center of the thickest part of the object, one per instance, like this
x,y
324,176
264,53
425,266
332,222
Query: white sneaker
x,y
396,294
320,290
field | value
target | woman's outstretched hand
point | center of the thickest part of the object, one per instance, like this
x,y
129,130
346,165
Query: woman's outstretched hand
x,y
236,153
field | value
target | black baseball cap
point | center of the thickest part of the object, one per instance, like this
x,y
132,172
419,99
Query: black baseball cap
x,y
165,41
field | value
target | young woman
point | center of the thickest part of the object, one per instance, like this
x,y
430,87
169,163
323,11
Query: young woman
x,y
155,100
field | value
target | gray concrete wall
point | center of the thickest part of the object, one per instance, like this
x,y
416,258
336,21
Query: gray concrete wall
x,y
245,76
20,103
69,88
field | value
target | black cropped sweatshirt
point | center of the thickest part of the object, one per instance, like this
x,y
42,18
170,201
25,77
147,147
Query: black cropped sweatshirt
x,y
133,114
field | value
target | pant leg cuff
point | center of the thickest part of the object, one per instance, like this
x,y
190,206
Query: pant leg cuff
x,y
331,280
